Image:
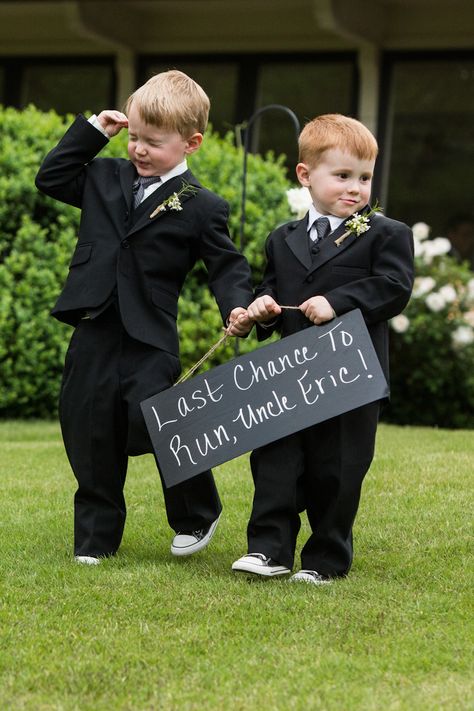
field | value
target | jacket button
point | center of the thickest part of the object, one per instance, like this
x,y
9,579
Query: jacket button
x,y
125,244
309,279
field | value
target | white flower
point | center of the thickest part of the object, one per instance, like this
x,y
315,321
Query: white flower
x,y
299,200
468,317
173,202
423,285
420,231
419,248
435,301
470,289
440,245
462,336
358,225
400,323
433,248
449,293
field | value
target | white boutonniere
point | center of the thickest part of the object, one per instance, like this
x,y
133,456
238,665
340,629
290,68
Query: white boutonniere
x,y
174,202
358,224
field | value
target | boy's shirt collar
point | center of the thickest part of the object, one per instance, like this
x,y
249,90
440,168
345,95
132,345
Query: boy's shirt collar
x,y
177,170
313,215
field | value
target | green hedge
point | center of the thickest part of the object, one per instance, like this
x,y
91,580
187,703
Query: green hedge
x,y
37,237
432,344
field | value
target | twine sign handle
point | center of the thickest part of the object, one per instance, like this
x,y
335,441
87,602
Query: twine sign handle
x,y
211,350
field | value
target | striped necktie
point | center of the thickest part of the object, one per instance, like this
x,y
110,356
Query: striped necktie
x,y
139,187
323,228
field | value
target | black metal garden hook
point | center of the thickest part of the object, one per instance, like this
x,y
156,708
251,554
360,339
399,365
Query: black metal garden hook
x,y
248,126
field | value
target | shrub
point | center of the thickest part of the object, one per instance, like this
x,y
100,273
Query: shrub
x,y
37,236
432,342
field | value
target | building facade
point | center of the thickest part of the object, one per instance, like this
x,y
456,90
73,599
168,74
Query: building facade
x,y
403,67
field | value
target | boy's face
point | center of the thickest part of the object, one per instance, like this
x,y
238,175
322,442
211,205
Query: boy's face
x,y
156,151
339,184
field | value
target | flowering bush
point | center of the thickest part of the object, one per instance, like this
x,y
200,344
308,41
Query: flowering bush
x,y
432,342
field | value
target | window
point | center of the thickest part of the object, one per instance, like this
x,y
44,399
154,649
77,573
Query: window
x,y
219,83
238,85
308,87
66,85
428,141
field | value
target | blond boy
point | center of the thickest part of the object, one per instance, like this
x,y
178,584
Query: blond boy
x,y
144,223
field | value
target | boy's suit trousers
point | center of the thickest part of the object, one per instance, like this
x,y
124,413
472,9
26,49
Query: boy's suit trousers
x,y
320,469
106,376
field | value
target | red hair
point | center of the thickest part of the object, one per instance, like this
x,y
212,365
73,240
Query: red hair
x,y
335,131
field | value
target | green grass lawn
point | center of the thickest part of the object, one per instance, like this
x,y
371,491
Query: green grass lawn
x,y
148,632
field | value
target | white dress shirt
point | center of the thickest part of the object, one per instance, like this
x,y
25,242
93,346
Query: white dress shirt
x,y
313,215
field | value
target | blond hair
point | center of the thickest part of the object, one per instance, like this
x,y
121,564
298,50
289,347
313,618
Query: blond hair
x,y
335,131
172,101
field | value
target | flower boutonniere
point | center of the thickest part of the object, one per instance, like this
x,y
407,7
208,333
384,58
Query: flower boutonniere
x,y
358,224
174,202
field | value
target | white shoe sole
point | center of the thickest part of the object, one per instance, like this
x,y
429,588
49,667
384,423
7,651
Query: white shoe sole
x,y
195,547
248,566
308,579
86,560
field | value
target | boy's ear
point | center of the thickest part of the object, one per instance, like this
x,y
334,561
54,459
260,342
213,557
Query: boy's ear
x,y
193,143
302,173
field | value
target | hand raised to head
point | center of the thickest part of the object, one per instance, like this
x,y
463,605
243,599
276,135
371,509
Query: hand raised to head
x,y
112,121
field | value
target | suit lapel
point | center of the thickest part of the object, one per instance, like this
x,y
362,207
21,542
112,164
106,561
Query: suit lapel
x,y
297,241
328,248
148,206
127,176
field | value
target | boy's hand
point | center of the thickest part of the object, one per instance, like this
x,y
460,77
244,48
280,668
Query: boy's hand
x,y
112,121
239,323
263,309
317,309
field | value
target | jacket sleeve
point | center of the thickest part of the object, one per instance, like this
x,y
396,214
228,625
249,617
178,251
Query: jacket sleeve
x,y
229,275
63,172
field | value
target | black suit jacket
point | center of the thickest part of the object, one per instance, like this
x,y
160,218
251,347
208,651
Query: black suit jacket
x,y
372,272
145,259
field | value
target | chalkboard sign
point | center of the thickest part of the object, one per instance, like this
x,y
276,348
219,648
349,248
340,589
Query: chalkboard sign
x,y
316,374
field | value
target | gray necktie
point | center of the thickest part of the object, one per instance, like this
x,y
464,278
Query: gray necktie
x,y
323,228
139,187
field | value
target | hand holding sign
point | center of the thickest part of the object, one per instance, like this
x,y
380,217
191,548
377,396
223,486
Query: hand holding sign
x,y
239,323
